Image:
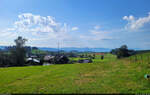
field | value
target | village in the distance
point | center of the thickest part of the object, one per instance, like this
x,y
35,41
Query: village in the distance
x,y
21,55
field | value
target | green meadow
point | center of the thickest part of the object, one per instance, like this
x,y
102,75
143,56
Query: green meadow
x,y
110,75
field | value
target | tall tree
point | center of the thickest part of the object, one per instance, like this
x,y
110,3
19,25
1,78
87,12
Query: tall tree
x,y
19,52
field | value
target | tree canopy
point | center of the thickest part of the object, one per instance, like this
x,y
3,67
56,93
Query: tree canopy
x,y
123,51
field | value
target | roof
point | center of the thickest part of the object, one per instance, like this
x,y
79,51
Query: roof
x,y
99,53
48,57
33,59
34,56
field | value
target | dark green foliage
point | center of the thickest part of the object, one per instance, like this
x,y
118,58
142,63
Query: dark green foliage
x,y
15,56
41,62
81,56
122,52
18,53
34,48
72,61
94,56
102,57
4,60
85,55
71,54
90,61
61,59
28,50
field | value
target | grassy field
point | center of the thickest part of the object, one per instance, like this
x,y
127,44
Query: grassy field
x,y
102,76
38,52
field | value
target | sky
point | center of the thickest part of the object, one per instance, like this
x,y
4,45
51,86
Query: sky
x,y
76,23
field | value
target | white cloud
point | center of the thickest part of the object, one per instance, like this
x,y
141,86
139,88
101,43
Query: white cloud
x,y
36,29
96,34
45,31
36,23
130,18
135,24
75,28
28,19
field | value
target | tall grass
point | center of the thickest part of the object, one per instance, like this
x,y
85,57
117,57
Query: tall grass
x,y
140,58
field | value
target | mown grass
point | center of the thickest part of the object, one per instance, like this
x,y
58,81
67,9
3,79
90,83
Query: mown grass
x,y
102,76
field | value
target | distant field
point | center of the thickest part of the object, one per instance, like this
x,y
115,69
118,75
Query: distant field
x,y
102,76
107,58
39,52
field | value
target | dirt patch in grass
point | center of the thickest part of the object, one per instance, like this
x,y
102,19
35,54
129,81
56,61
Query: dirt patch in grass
x,y
85,78
83,81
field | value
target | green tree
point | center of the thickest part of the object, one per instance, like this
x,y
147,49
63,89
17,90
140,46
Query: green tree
x,y
122,52
19,52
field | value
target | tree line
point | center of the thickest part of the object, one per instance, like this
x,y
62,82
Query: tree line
x,y
15,56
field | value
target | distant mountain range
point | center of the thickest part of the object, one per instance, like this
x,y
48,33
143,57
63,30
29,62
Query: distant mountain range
x,y
2,47
67,49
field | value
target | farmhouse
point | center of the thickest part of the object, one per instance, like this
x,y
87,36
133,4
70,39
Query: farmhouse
x,y
48,57
30,60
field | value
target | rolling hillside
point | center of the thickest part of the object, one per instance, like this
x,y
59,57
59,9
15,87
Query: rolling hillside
x,y
102,76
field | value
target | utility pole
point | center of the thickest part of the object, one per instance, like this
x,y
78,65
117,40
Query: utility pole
x,y
58,48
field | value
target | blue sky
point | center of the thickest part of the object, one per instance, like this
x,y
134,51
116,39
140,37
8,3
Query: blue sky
x,y
76,23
